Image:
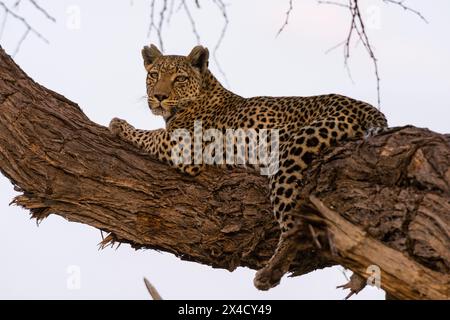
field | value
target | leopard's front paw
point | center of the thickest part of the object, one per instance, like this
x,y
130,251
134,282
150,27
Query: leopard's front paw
x,y
118,126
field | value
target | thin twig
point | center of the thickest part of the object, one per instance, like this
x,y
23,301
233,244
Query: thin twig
x,y
152,290
2,28
344,274
160,25
42,10
24,21
286,20
221,5
356,26
334,3
180,6
365,40
169,15
357,29
28,27
152,19
166,13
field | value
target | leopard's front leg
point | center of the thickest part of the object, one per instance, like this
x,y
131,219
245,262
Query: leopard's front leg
x,y
158,143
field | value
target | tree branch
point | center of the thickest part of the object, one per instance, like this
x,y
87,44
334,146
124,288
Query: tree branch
x,y
392,191
152,290
401,4
42,10
286,18
357,26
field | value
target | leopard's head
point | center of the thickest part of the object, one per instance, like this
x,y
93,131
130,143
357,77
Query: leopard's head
x,y
173,80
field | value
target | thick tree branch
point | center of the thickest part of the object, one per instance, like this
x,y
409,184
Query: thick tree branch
x,y
355,243
152,290
392,191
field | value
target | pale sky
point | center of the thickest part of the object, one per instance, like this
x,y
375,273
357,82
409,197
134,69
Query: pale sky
x,y
94,59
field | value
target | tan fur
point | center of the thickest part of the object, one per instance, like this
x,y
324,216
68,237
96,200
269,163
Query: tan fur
x,y
307,125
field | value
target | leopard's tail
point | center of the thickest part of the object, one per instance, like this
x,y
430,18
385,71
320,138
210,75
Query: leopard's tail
x,y
374,122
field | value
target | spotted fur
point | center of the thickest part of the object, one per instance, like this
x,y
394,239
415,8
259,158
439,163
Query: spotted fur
x,y
182,90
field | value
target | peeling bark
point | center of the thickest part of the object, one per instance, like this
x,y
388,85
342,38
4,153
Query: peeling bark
x,y
382,201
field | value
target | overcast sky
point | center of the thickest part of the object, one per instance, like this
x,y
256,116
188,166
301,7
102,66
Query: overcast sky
x,y
94,59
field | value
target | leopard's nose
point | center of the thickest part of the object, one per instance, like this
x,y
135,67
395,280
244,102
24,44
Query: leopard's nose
x,y
161,97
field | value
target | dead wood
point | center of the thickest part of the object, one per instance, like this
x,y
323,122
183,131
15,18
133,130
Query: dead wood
x,y
384,201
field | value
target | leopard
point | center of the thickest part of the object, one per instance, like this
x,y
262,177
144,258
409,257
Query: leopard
x,y
183,90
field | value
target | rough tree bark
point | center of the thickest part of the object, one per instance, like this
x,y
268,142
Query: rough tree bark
x,y
384,201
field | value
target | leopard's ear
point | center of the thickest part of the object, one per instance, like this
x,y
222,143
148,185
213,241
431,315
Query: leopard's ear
x,y
199,58
150,54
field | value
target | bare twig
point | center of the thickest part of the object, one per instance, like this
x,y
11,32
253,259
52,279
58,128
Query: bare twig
x,y
406,8
160,24
365,40
42,10
151,25
2,27
344,274
28,27
21,40
334,3
357,27
221,5
170,13
286,20
152,290
192,21
165,15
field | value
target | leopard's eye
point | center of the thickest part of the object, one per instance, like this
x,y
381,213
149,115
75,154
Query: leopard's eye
x,y
153,75
180,78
